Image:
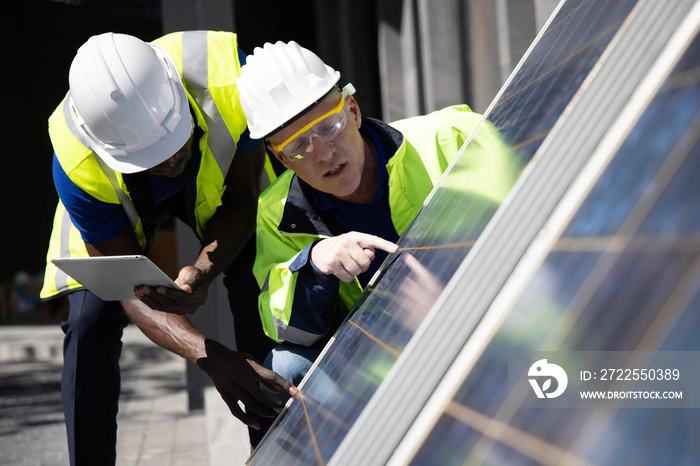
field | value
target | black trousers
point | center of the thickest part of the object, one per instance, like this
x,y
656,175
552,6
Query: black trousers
x,y
91,379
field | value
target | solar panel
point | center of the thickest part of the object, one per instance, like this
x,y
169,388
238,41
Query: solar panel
x,y
623,275
554,91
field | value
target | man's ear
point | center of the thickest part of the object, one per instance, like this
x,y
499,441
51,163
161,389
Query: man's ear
x,y
277,165
354,108
278,155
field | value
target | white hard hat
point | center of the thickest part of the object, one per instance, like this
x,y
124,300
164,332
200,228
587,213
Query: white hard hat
x,y
128,101
278,82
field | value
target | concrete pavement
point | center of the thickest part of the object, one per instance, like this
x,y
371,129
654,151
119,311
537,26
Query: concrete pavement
x,y
155,425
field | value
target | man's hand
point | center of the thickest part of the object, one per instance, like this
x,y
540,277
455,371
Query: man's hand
x,y
193,284
416,294
348,255
237,377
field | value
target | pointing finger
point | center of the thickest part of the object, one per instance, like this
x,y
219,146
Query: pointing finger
x,y
371,241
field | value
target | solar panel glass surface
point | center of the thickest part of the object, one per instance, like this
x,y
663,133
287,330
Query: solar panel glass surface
x,y
624,276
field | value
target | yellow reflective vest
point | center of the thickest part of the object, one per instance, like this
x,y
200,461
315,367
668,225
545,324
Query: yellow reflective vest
x,y
286,222
209,65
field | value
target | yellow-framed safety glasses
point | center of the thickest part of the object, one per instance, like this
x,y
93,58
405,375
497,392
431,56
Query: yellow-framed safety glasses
x,y
325,127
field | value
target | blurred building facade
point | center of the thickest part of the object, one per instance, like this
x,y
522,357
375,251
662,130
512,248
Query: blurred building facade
x,y
405,57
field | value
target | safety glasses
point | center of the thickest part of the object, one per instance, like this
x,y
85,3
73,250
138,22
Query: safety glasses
x,y
325,127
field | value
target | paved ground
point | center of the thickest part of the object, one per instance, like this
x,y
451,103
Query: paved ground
x,y
155,425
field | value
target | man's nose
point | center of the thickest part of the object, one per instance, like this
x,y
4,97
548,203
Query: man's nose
x,y
322,149
169,163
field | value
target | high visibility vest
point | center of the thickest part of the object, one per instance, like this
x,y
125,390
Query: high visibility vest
x,y
209,66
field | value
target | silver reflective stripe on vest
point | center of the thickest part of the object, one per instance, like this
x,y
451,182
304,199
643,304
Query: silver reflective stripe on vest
x,y
294,335
127,204
61,278
287,333
195,74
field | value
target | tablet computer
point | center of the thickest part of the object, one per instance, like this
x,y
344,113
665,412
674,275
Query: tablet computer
x,y
113,278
